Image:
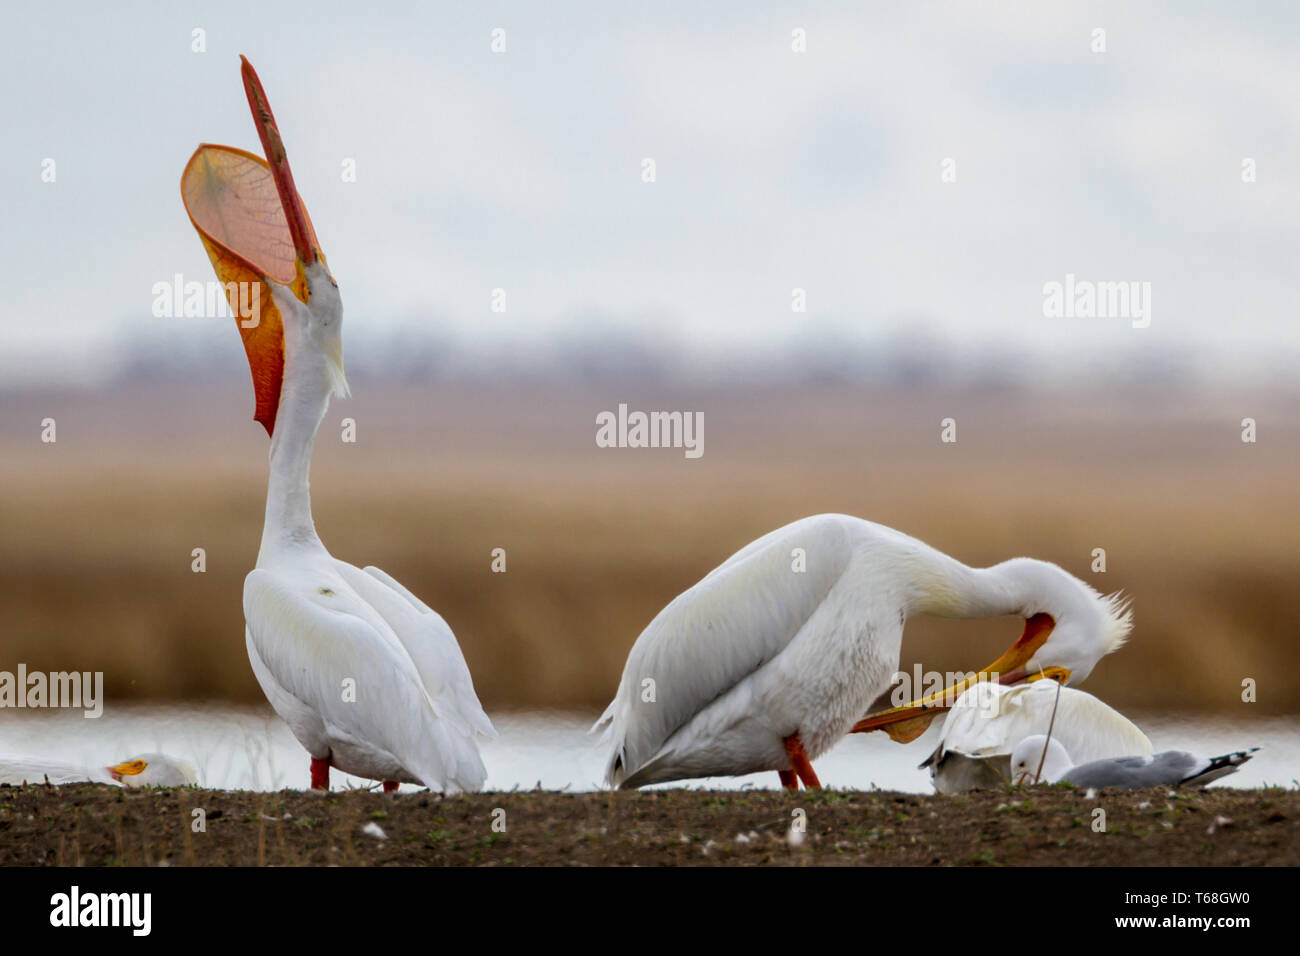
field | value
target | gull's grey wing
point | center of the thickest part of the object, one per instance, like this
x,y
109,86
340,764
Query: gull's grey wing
x,y
1132,773
1167,769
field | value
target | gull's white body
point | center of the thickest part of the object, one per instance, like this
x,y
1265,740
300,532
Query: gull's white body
x,y
161,771
364,673
758,651
988,720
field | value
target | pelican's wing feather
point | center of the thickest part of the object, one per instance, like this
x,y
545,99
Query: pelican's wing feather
x,y
714,635
430,642
331,651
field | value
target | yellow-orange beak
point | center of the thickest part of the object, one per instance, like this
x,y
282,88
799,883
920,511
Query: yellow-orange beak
x,y
906,723
129,769
256,230
295,214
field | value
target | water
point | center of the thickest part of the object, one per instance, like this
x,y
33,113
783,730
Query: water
x,y
249,748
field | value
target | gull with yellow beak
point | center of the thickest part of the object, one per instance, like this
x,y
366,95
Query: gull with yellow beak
x,y
776,654
369,679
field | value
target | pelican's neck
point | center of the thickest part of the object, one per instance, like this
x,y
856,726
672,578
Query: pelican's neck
x,y
303,399
945,587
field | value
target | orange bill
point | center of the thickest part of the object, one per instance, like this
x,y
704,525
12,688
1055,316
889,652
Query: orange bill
x,y
232,201
300,231
906,723
255,228
129,769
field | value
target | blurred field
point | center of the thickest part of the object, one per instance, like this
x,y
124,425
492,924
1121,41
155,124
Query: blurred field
x,y
98,529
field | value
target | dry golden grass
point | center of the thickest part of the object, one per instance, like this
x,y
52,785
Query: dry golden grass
x,y
98,529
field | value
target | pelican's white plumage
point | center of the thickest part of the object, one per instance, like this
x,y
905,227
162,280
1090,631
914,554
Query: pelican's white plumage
x,y
369,679
726,687
988,720
317,625
798,632
146,770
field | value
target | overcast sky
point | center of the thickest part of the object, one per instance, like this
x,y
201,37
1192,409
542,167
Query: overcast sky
x,y
775,169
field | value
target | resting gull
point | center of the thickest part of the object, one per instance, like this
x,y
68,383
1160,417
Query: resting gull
x,y
1170,768
988,720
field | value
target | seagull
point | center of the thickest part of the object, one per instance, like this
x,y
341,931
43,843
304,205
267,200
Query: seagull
x,y
989,719
368,677
776,654
146,770
1169,768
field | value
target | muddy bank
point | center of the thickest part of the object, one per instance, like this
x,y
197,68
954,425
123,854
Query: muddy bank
x,y
95,826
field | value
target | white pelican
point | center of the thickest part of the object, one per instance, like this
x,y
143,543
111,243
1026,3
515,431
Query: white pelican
x,y
1169,768
988,720
775,655
146,770
369,679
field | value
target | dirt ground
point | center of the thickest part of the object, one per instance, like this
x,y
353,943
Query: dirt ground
x,y
99,826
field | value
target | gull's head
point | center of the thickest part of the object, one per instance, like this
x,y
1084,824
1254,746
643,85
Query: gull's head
x,y
154,770
1029,763
255,228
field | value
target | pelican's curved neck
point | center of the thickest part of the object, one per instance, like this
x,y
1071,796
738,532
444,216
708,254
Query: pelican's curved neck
x,y
303,399
945,587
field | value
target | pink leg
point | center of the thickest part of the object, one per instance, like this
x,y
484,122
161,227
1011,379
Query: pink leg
x,y
789,779
320,773
800,762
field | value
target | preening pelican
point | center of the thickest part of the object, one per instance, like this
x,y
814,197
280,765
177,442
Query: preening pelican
x,y
146,770
776,654
1169,768
369,679
989,719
